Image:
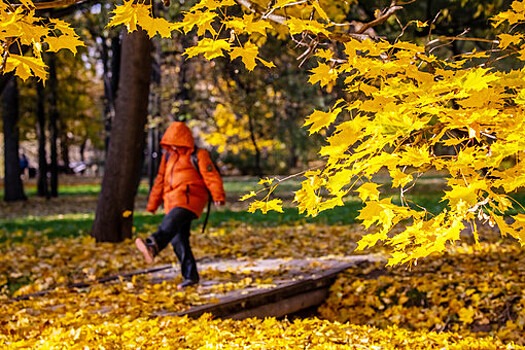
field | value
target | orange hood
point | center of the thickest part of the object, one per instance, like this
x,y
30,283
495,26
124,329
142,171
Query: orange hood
x,y
178,134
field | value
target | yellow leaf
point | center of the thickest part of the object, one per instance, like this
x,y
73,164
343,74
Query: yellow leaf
x,y
209,48
126,213
202,20
377,211
320,119
325,54
64,42
399,178
324,74
338,180
248,196
283,3
266,181
25,67
255,26
211,5
264,207
370,240
125,14
320,10
298,26
466,315
505,40
248,54
369,190
156,25
267,64
477,79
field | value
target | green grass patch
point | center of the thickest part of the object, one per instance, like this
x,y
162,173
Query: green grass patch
x,y
69,225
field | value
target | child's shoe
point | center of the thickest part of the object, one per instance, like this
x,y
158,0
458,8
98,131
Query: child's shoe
x,y
148,250
187,283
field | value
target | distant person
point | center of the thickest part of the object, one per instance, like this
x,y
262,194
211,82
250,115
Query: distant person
x,y
185,181
24,165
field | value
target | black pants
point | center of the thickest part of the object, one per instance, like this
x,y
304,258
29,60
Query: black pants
x,y
175,229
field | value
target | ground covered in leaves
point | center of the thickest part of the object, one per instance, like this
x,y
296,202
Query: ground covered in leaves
x,y
51,295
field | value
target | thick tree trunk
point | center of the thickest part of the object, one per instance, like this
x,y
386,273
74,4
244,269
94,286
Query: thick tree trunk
x,y
14,188
42,184
114,219
53,126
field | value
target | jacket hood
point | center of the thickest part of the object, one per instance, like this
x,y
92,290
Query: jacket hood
x,y
178,134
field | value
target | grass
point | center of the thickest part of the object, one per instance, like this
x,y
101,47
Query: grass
x,y
67,224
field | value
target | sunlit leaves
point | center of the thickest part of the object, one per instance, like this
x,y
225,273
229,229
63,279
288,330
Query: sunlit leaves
x,y
134,15
209,48
19,26
265,206
445,293
25,67
320,119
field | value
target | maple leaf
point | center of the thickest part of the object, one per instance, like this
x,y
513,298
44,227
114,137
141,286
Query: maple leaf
x,y
25,67
266,181
265,206
324,74
377,211
505,40
399,178
209,48
298,26
156,25
248,54
252,26
320,119
320,10
64,42
248,196
203,21
368,190
477,79
370,240
126,14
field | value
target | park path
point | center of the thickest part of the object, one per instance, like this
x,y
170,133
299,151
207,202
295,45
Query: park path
x,y
301,284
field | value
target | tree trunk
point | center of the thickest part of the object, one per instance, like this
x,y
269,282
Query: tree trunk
x,y
42,185
53,126
13,185
114,219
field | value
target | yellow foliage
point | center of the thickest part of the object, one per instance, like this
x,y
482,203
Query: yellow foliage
x,y
403,106
19,26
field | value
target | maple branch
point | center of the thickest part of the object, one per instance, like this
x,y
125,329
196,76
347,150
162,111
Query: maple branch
x,y
54,4
383,16
257,9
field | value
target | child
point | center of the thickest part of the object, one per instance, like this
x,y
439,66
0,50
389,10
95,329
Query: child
x,y
184,188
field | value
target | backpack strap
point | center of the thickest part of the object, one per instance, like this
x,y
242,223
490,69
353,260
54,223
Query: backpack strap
x,y
195,162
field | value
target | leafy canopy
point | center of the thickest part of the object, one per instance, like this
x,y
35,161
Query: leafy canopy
x,y
21,28
403,107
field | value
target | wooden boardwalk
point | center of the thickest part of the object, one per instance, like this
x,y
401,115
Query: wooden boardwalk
x,y
305,285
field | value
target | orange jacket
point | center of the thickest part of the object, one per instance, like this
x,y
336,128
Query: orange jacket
x,y
178,182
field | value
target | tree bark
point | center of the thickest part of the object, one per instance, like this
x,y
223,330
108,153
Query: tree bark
x,y
42,184
114,219
53,126
13,185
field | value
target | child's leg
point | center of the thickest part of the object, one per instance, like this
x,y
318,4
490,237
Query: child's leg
x,y
170,226
181,246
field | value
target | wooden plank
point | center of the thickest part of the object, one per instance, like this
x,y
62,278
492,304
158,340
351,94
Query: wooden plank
x,y
276,302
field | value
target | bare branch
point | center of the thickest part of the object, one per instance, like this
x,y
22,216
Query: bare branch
x,y
383,16
252,7
54,4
